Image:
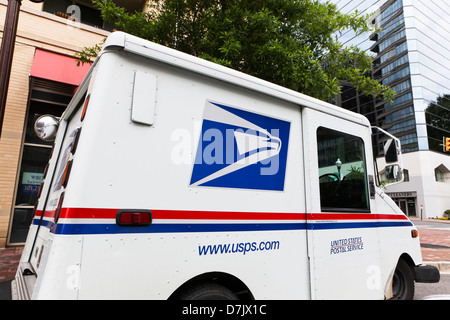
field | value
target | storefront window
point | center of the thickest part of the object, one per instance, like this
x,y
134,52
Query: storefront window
x,y
35,154
34,160
31,175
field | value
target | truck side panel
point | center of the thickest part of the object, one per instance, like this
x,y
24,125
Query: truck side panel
x,y
230,227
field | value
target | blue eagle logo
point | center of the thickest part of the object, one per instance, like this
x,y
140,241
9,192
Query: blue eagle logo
x,y
240,149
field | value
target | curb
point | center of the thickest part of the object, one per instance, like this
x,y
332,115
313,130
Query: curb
x,y
412,219
443,266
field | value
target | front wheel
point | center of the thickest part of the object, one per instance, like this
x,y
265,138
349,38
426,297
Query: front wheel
x,y
403,282
207,291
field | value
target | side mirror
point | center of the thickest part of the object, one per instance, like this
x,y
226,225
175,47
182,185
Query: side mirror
x,y
393,158
391,151
46,127
393,172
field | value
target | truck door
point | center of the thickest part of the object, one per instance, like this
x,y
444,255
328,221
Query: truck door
x,y
341,219
52,197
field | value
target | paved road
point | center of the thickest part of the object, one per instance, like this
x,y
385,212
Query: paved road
x,y
430,289
443,286
5,290
431,225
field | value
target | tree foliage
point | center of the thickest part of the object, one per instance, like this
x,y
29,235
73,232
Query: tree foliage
x,y
288,42
437,117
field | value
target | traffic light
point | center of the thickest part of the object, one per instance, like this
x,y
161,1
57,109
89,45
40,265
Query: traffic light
x,y
446,144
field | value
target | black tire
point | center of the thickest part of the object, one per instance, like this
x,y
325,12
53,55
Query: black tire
x,y
403,282
207,291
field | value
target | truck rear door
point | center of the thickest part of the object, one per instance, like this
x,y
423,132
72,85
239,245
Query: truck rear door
x,y
49,204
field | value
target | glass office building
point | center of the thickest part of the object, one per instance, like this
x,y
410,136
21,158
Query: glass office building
x,y
411,54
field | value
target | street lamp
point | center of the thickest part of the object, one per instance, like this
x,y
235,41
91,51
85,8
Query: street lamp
x,y
339,166
7,50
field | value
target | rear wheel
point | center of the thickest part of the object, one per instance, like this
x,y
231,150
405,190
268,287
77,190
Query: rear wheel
x,y
403,282
207,291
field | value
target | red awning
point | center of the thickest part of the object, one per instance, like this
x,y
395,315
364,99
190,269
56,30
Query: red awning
x,y
57,67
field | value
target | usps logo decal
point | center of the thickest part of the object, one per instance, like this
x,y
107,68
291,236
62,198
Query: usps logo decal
x,y
240,149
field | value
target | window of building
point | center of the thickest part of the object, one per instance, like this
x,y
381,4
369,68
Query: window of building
x,y
391,39
409,142
398,101
398,115
409,138
81,12
410,149
85,12
397,75
342,172
402,60
402,86
398,21
390,11
402,127
394,52
439,175
405,175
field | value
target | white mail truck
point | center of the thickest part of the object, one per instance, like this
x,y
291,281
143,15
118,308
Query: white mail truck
x,y
172,177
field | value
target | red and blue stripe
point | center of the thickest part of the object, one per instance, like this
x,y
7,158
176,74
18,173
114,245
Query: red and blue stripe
x,y
73,221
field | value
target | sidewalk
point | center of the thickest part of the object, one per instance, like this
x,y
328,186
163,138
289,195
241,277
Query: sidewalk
x,y
9,259
435,244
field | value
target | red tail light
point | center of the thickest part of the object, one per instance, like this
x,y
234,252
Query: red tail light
x,y
86,102
134,217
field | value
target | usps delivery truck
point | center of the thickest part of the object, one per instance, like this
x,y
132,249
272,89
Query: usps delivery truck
x,y
172,177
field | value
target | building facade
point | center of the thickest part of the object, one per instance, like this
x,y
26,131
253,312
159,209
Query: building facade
x,y
411,54
44,77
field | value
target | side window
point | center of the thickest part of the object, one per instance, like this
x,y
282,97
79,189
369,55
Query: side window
x,y
342,172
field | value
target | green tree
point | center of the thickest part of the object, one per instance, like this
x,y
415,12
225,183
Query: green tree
x,y
288,42
437,117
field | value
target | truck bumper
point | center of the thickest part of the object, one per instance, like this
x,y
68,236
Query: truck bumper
x,y
427,274
23,285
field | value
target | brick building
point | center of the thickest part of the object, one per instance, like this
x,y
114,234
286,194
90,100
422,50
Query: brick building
x,y
44,77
